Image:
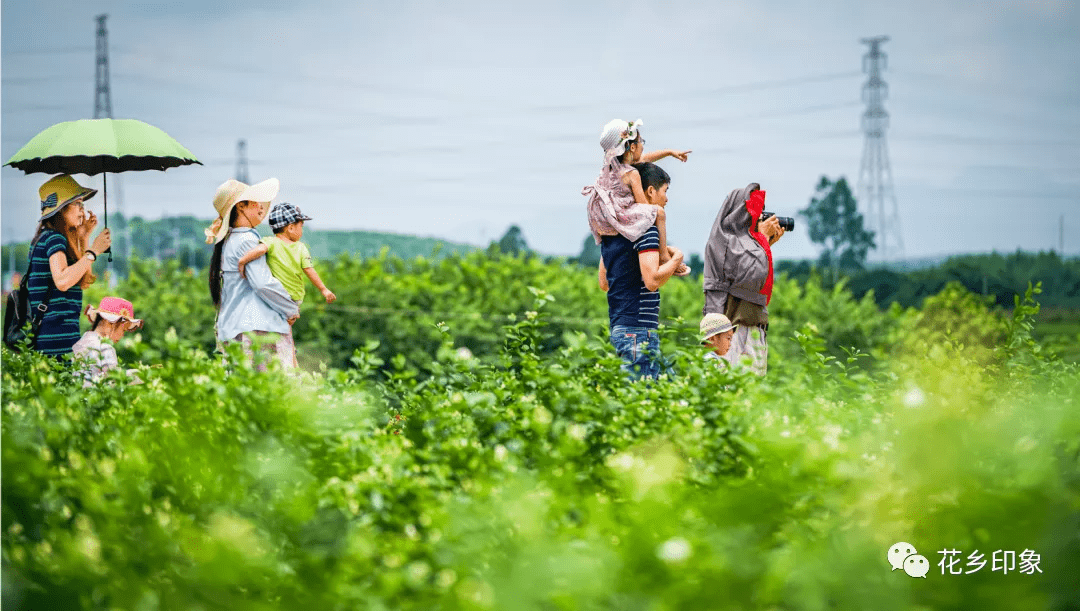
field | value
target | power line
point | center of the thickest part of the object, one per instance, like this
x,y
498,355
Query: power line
x,y
980,141
1003,193
56,51
762,115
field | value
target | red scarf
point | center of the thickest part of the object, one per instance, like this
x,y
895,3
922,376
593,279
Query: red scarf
x,y
755,204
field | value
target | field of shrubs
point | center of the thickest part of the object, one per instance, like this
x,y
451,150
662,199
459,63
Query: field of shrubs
x,y
462,438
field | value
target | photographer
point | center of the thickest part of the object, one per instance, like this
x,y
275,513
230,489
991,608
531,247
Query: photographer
x,y
739,272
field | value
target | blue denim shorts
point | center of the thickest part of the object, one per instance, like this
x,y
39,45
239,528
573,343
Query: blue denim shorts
x,y
639,348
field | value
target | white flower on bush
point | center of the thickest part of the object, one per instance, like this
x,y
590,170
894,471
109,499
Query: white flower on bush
x,y
500,452
576,431
674,550
464,354
832,435
417,572
542,415
623,461
446,578
914,397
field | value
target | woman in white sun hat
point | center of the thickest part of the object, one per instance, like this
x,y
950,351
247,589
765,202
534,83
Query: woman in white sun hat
x,y
255,304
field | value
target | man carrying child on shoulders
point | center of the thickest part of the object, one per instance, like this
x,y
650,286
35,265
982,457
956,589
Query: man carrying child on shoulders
x,y
631,274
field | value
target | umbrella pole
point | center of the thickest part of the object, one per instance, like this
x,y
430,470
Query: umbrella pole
x,y
105,194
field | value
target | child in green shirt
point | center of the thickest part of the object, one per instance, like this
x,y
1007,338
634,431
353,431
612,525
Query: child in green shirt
x,y
287,256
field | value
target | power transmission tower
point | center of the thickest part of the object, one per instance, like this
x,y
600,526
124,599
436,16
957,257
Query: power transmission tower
x,y
103,109
875,174
242,162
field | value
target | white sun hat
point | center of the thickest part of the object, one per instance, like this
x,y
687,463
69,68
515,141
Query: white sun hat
x,y
232,192
617,133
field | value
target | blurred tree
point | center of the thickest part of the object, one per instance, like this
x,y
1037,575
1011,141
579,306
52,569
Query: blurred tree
x,y
835,222
513,242
696,265
590,253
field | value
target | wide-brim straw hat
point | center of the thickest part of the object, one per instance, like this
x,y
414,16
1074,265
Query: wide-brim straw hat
x,y
114,309
714,324
58,192
232,192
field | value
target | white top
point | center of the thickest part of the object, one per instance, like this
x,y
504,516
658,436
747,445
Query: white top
x,y
93,357
257,302
721,360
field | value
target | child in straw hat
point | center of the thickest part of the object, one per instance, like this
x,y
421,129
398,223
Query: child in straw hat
x,y
94,353
716,333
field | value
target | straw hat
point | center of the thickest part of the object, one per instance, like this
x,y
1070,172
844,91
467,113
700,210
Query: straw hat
x,y
114,309
714,324
59,191
617,133
232,192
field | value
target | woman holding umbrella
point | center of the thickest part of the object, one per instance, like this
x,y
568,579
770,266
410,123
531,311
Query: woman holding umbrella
x,y
60,262
255,304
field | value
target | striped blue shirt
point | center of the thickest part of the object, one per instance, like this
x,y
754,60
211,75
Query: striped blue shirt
x,y
629,302
60,326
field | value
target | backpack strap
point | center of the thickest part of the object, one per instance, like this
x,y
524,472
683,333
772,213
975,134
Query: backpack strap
x,y
42,307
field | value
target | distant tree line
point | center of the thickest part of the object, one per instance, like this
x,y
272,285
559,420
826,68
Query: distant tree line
x,y
181,238
843,258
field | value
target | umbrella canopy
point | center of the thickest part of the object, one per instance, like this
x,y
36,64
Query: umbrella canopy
x,y
93,146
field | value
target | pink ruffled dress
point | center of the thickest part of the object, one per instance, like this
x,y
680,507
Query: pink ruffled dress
x,y
611,206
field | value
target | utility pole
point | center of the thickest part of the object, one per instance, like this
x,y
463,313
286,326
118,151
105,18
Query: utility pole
x,y
242,162
102,110
875,174
102,97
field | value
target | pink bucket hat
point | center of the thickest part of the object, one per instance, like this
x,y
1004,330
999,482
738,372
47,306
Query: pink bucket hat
x,y
114,309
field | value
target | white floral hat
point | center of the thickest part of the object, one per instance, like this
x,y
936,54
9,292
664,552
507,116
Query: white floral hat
x,y
617,133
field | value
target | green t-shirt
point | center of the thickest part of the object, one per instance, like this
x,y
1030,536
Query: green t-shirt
x,y
287,262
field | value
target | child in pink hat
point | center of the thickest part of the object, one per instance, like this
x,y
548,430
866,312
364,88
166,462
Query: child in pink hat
x,y
94,352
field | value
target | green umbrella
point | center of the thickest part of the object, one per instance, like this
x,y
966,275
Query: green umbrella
x,y
93,146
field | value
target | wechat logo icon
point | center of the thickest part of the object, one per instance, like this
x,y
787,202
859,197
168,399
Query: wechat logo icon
x,y
904,556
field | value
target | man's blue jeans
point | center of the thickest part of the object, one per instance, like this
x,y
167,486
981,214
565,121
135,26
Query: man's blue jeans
x,y
639,348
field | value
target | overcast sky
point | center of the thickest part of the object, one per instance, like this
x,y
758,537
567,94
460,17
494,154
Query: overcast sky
x,y
459,119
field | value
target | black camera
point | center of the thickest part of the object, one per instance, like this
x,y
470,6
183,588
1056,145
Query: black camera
x,y
786,222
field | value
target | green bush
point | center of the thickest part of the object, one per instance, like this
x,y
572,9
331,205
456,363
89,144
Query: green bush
x,y
536,477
